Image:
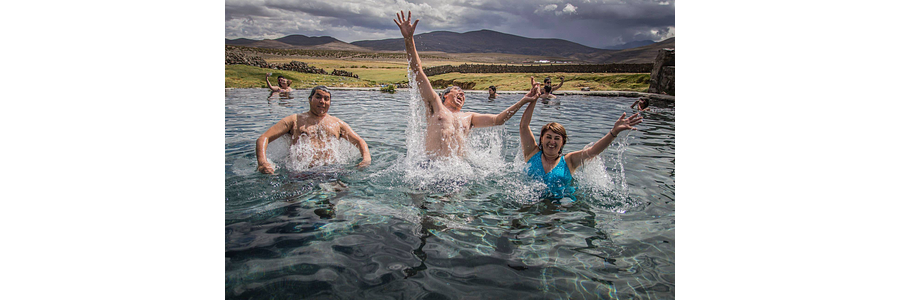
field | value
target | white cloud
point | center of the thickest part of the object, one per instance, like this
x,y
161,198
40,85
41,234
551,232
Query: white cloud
x,y
569,9
546,8
655,34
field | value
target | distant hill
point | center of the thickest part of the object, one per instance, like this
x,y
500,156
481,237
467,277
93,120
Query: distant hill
x,y
630,45
302,40
482,41
239,42
476,43
297,42
643,54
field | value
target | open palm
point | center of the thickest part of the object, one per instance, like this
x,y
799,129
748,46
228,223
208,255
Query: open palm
x,y
623,124
406,28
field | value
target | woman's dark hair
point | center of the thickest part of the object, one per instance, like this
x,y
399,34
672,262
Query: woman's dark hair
x,y
493,88
557,129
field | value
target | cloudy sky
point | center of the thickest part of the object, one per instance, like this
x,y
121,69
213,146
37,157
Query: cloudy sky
x,y
594,23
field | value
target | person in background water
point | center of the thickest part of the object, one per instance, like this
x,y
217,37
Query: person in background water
x,y
447,127
315,127
643,103
492,92
548,88
284,84
544,159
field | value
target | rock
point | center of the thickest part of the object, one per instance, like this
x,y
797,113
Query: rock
x,y
662,77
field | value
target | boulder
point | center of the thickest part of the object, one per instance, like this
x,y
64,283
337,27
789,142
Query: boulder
x,y
662,76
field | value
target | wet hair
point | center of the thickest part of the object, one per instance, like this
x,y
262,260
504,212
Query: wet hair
x,y
546,80
493,88
644,103
288,80
318,88
557,129
447,90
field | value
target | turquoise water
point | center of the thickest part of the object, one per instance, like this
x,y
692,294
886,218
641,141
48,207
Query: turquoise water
x,y
461,229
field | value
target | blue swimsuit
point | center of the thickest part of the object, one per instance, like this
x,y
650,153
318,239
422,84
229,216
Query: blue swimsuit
x,y
558,180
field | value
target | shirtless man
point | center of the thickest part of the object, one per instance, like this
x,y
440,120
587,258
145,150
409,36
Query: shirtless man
x,y
447,126
315,127
284,84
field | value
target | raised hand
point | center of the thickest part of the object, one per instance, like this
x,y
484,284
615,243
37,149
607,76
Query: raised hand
x,y
534,92
406,28
623,124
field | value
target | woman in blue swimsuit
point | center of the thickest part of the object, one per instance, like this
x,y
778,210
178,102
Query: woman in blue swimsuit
x,y
545,161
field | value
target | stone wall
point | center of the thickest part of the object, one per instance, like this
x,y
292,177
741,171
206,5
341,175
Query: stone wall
x,y
240,58
606,68
442,84
298,66
337,72
662,78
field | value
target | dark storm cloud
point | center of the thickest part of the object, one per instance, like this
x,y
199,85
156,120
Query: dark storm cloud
x,y
593,23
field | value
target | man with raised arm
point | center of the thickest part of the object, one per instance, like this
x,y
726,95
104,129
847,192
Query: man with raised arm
x,y
446,125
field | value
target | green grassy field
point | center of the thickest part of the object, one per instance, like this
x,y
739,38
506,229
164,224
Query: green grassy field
x,y
375,73
242,76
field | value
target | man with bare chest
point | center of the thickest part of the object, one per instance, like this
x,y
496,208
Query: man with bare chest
x,y
447,126
315,130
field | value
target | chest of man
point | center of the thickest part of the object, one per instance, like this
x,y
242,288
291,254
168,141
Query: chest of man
x,y
452,122
314,130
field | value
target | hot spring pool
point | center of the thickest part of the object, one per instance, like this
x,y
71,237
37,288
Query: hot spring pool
x,y
474,228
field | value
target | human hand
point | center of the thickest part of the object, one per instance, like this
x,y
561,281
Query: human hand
x,y
533,93
268,74
265,168
406,28
623,124
364,163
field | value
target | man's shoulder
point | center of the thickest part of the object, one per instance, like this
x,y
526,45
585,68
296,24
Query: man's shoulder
x,y
290,118
332,118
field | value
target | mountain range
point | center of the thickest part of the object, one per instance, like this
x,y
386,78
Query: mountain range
x,y
481,41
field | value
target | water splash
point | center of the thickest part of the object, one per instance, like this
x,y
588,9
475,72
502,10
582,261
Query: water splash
x,y
304,155
605,188
415,122
620,166
592,174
